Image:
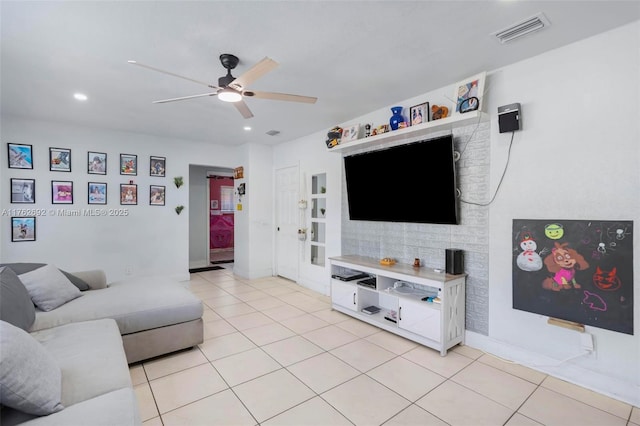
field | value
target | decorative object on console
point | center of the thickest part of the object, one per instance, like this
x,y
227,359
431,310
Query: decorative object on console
x,y
438,112
416,262
23,229
350,133
178,181
59,159
334,136
396,118
419,113
472,87
20,156
387,261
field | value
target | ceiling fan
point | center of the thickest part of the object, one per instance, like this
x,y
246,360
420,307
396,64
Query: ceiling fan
x,y
232,89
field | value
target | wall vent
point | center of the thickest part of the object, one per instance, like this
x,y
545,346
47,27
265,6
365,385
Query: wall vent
x,y
273,132
529,25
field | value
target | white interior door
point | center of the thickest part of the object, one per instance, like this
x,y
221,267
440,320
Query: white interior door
x,y
287,217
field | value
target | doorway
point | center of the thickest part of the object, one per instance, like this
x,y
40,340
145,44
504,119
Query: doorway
x,y
221,219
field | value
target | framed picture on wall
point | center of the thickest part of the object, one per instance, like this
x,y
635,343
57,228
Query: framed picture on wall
x,y
157,166
59,159
214,204
23,191
128,164
350,133
97,163
156,195
97,193
128,194
61,192
468,94
23,229
20,156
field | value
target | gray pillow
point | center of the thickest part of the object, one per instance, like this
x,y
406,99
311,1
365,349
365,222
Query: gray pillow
x,y
23,268
16,306
30,379
49,288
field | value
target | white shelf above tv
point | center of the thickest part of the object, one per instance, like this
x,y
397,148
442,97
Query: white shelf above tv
x,y
448,123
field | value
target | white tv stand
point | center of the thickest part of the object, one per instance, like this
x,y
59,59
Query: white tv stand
x,y
437,325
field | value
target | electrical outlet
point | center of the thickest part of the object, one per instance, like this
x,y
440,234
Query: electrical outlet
x,y
586,342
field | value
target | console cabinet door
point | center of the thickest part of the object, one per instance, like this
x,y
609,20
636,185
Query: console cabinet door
x,y
344,295
419,318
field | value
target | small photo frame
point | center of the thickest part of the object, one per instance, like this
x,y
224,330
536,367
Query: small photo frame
x,y
97,193
128,194
61,192
20,156
214,204
128,164
59,159
97,163
350,133
156,195
157,166
23,229
465,90
419,114
23,191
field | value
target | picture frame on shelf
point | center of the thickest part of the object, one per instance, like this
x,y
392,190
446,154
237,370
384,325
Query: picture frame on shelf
x,y
157,195
419,114
59,159
128,194
350,133
129,164
97,193
61,192
466,90
97,163
157,166
20,156
23,191
23,229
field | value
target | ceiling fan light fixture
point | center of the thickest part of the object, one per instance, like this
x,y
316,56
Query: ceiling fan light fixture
x,y
229,95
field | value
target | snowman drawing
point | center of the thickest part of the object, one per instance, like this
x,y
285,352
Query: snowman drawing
x,y
529,260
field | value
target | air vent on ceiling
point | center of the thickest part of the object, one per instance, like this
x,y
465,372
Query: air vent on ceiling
x,y
529,25
273,132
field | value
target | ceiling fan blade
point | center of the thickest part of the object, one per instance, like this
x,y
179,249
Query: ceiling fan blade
x,y
253,73
281,97
163,101
243,109
172,74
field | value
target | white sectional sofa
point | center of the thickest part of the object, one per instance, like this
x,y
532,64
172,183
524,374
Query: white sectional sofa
x,y
91,338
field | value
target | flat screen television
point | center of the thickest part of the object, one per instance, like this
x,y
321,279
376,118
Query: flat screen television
x,y
414,183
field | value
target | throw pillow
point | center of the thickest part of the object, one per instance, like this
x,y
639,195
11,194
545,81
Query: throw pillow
x,y
23,268
49,288
30,379
16,306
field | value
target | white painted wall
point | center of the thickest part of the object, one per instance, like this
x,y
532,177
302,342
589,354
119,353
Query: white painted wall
x,y
151,240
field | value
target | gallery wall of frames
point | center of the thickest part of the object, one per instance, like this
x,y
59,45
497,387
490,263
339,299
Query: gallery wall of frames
x,y
100,197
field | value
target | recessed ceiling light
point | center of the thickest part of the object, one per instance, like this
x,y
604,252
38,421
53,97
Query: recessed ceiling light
x,y
80,96
247,128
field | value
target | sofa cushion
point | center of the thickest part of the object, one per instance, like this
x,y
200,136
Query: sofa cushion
x,y
16,306
30,379
49,288
23,268
138,304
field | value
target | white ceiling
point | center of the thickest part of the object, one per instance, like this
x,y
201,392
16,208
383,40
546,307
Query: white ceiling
x,y
355,56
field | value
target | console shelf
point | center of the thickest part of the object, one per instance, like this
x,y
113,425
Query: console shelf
x,y
399,292
447,123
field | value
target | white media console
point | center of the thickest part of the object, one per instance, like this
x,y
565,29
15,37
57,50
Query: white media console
x,y
417,303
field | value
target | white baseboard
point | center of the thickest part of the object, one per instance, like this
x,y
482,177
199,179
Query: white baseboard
x,y
595,381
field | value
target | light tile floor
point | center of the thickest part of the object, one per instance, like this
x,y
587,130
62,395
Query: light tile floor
x,y
276,354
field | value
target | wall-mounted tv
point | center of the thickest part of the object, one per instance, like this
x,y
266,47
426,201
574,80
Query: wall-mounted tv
x,y
415,183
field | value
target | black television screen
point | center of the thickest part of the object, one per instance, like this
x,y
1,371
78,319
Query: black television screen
x,y
415,182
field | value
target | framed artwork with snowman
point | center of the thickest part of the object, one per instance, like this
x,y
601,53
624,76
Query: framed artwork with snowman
x,y
468,94
575,270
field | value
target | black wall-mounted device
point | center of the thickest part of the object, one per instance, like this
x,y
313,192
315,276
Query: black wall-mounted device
x,y
509,118
454,261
